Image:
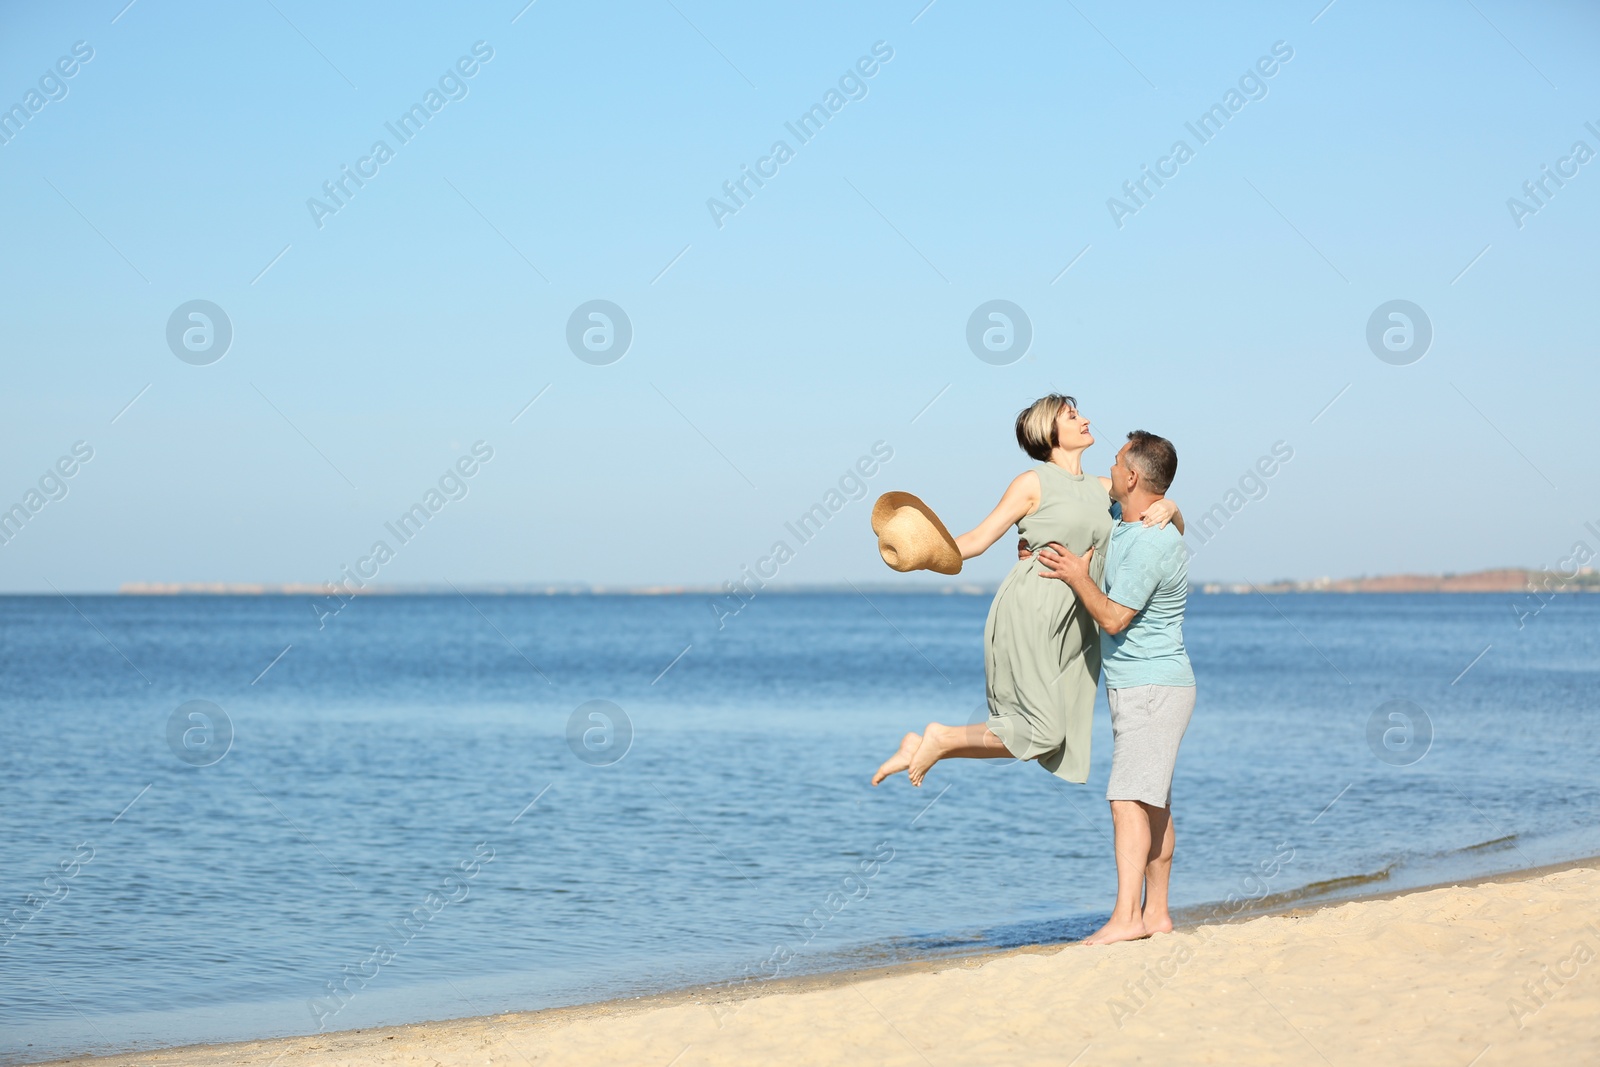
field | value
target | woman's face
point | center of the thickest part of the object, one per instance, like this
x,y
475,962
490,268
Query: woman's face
x,y
1072,430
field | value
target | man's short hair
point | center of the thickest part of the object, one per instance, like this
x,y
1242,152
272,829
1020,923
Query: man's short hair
x,y
1036,424
1154,458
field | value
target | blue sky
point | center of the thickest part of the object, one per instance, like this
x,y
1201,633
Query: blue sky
x,y
768,354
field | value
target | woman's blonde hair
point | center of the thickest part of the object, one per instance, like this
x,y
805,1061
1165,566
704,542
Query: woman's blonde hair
x,y
1036,424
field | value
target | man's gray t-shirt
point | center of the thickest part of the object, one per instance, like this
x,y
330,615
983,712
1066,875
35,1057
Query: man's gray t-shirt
x,y
1147,569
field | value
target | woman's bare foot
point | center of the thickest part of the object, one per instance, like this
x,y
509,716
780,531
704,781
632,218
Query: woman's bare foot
x,y
1118,930
935,742
1157,924
900,760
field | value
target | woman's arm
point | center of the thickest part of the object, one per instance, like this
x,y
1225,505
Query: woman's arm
x,y
1020,498
1162,512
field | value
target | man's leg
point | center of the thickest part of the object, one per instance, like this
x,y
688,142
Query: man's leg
x,y
1130,820
975,741
1158,871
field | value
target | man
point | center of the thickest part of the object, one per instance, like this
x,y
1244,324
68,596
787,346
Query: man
x,y
1149,683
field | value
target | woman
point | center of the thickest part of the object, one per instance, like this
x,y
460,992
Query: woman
x,y
1041,653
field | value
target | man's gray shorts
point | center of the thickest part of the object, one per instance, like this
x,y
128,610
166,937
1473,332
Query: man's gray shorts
x,y
1147,723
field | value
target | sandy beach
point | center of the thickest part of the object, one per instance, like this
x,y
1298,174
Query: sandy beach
x,y
1498,972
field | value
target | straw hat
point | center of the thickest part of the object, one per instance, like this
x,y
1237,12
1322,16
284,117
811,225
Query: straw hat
x,y
911,537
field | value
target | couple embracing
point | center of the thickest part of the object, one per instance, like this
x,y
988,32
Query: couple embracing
x,y
1100,585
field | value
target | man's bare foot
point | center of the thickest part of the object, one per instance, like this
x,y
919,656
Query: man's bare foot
x,y
900,760
1157,924
930,751
1118,930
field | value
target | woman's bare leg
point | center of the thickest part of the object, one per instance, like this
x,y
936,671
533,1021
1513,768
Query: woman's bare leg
x,y
900,760
975,741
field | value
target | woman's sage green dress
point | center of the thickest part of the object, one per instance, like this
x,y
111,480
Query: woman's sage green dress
x,y
1041,650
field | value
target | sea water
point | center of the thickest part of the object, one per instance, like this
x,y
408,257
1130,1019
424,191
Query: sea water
x,y
236,817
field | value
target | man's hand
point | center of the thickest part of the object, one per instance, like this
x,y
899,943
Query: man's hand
x,y
1057,561
1022,549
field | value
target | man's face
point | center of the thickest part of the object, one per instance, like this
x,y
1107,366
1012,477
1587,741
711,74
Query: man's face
x,y
1120,474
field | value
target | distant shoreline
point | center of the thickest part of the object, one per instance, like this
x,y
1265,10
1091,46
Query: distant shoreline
x,y
1514,580
1499,580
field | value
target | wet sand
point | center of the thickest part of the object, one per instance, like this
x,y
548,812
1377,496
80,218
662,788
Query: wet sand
x,y
1501,971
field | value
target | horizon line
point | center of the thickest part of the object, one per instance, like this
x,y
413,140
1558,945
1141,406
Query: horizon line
x,y
1494,579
